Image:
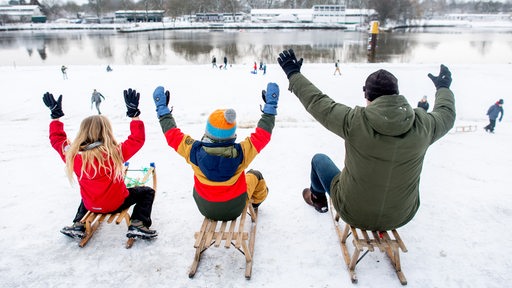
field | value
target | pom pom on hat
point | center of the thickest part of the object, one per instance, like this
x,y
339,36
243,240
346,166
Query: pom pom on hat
x,y
380,83
221,125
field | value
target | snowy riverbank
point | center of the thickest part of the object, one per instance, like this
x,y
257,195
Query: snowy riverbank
x,y
461,236
185,25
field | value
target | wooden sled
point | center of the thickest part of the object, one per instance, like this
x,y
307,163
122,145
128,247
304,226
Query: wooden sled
x,y
388,242
465,128
212,234
93,220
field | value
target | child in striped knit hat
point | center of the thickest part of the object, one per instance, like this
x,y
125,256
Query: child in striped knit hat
x,y
221,185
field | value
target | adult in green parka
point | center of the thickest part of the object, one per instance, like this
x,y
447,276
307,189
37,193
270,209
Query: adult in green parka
x,y
385,144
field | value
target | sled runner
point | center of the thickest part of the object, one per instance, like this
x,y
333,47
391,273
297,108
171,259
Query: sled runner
x,y
211,234
93,220
388,242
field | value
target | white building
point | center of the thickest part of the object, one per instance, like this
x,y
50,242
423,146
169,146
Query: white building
x,y
218,17
281,15
329,14
21,13
317,14
358,16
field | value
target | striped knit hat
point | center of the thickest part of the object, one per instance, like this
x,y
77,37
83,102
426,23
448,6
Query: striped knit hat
x,y
221,125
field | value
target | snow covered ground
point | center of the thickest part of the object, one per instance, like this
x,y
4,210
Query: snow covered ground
x,y
461,236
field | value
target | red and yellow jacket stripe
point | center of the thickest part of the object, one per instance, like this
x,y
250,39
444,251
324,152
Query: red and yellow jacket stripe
x,y
219,182
212,189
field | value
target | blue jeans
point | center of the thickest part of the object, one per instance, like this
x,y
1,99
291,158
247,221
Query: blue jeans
x,y
323,170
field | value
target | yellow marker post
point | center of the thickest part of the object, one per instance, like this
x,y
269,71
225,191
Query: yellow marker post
x,y
372,40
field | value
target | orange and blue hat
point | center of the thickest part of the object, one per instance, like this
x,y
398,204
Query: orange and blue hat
x,y
221,125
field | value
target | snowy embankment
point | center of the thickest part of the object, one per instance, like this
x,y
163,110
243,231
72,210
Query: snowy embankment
x,y
168,25
185,25
459,24
461,236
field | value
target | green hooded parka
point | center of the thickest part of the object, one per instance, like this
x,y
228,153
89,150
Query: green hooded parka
x,y
385,144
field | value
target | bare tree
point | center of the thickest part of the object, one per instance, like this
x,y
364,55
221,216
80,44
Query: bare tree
x,y
51,8
71,8
177,8
126,4
231,6
96,6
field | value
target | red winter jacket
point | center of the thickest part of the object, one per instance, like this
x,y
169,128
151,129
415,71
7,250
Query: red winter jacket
x,y
100,194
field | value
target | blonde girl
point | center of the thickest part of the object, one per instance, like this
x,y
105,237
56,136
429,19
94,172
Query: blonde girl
x,y
96,159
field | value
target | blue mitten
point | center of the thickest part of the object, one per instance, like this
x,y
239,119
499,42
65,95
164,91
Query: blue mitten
x,y
271,97
161,99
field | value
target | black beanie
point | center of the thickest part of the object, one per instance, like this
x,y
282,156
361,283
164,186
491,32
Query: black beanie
x,y
380,83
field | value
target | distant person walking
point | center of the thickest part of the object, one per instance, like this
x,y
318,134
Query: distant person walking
x,y
96,99
255,68
423,103
493,112
225,62
64,69
337,67
214,62
109,69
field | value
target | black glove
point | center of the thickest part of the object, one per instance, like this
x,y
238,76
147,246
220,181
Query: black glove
x,y
443,80
55,106
289,63
131,99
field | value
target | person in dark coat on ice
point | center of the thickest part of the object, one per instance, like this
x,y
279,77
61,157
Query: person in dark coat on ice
x,y
423,103
214,62
96,98
493,112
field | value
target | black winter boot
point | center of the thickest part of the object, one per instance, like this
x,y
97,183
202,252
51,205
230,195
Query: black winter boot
x,y
77,230
138,230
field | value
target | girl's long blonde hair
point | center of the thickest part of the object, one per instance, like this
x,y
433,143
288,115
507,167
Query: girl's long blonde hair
x,y
99,150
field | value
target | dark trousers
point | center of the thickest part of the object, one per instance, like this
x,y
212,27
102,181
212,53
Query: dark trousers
x,y
492,124
141,196
98,107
